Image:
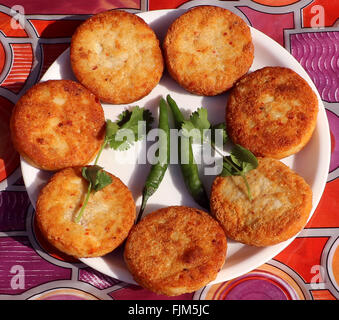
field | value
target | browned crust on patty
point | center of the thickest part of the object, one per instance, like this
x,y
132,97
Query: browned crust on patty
x,y
117,56
106,221
279,209
57,124
207,49
175,250
272,112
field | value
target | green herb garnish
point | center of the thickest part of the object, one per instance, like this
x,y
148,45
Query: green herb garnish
x,y
197,125
121,134
126,131
238,163
219,126
111,130
126,127
98,179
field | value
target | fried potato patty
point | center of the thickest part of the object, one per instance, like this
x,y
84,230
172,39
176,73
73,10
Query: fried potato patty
x,y
106,221
207,49
175,250
272,112
279,209
117,56
58,124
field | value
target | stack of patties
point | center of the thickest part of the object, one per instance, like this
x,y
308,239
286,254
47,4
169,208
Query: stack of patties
x,y
272,112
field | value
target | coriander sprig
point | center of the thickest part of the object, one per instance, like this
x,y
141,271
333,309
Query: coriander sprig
x,y
98,179
238,163
128,120
125,131
111,129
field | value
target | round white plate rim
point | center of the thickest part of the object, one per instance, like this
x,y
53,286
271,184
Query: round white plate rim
x,y
266,253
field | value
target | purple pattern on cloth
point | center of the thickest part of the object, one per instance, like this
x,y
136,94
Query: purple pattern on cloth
x,y
13,208
333,120
256,289
318,53
18,258
271,25
96,279
133,292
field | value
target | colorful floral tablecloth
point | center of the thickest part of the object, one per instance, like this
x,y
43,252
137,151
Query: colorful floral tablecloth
x,y
33,33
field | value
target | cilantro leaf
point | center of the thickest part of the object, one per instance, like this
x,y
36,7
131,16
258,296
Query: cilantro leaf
x,y
195,126
188,130
238,163
199,119
229,168
215,128
111,129
244,158
96,176
126,129
130,118
98,179
123,139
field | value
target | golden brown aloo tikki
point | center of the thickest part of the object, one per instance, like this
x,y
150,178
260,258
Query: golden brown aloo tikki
x,y
58,124
117,56
272,112
207,49
280,206
175,250
106,221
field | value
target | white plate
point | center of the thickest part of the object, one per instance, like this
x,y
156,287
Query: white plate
x,y
312,162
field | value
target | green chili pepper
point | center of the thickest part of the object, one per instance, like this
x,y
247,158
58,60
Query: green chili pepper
x,y
158,170
190,170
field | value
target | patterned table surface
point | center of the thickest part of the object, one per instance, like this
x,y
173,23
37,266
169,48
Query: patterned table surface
x,y
34,33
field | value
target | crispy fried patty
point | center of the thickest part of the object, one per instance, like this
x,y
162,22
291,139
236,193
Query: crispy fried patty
x,y
207,49
175,250
117,56
105,223
272,112
57,124
279,209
